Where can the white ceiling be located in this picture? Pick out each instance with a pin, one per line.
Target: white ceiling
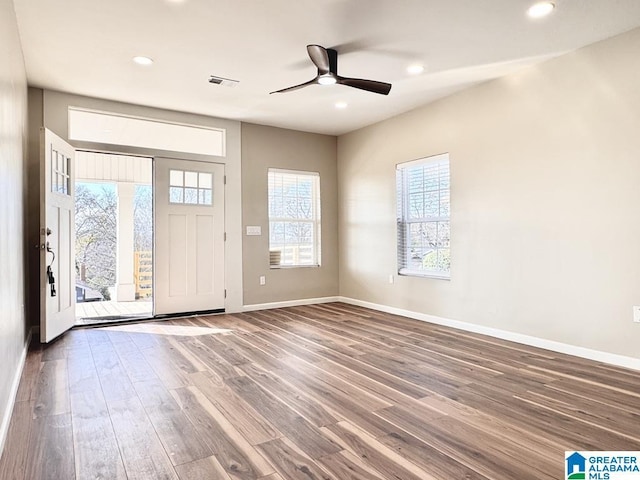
(86, 46)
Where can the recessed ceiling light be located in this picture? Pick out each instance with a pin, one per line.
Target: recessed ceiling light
(540, 9)
(415, 69)
(143, 60)
(341, 105)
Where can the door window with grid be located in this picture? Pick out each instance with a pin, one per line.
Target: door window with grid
(60, 176)
(294, 217)
(424, 232)
(190, 188)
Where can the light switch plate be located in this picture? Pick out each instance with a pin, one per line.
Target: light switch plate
(254, 230)
(636, 313)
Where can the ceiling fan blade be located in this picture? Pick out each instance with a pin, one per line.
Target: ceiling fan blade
(297, 87)
(369, 85)
(320, 58)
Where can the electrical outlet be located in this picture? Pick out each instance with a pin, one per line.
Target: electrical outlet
(636, 313)
(263, 280)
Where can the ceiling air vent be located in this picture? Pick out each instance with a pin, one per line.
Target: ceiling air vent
(225, 82)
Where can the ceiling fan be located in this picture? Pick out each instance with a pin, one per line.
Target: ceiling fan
(326, 59)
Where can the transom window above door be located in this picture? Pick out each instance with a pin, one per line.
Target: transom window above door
(148, 133)
(190, 188)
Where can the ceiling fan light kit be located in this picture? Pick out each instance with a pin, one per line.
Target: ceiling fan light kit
(327, 79)
(326, 60)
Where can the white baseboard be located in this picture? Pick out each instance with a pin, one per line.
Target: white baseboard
(8, 411)
(289, 303)
(597, 355)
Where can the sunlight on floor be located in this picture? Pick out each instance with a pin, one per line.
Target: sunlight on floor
(173, 330)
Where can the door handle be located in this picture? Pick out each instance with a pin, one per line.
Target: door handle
(50, 277)
(50, 250)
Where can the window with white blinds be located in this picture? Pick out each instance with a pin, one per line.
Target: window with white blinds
(424, 232)
(294, 217)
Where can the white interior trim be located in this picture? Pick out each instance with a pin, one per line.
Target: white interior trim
(290, 303)
(597, 355)
(8, 410)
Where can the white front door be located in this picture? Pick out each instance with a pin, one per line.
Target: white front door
(189, 236)
(57, 229)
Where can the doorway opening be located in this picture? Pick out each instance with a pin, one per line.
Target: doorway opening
(114, 237)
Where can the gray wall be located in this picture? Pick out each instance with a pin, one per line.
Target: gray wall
(269, 147)
(545, 168)
(13, 116)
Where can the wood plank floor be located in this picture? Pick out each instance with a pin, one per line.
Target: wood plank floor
(318, 392)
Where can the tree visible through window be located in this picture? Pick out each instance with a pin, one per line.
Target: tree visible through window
(294, 216)
(96, 231)
(424, 232)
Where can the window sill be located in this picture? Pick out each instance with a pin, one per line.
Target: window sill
(287, 267)
(416, 273)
